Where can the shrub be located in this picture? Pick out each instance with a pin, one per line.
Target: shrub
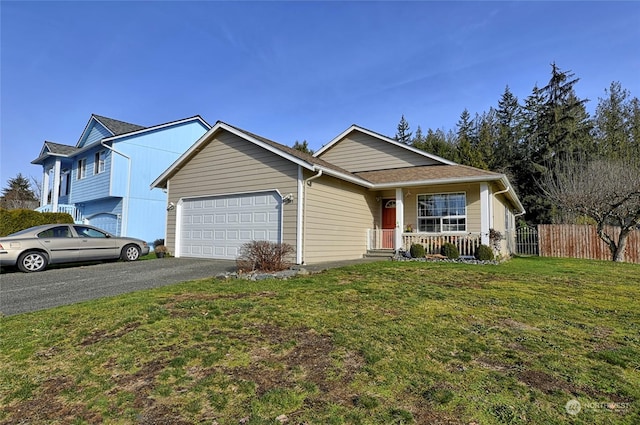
(264, 256)
(417, 250)
(484, 253)
(449, 250)
(158, 241)
(12, 221)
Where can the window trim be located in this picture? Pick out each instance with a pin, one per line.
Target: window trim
(443, 217)
(99, 162)
(82, 169)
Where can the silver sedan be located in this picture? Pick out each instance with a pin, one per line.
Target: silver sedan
(31, 250)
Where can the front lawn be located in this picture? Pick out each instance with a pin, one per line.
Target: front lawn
(424, 343)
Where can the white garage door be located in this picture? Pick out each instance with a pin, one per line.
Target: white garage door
(216, 227)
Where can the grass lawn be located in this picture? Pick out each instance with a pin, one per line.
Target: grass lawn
(377, 343)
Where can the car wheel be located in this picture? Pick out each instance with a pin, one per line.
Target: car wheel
(130, 253)
(33, 261)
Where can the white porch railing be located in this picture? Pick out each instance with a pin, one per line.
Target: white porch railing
(63, 208)
(466, 244)
(380, 238)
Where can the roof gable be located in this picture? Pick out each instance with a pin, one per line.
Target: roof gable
(100, 127)
(50, 149)
(360, 149)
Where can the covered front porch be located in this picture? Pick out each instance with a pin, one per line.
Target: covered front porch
(431, 216)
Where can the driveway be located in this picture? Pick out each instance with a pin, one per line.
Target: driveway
(25, 292)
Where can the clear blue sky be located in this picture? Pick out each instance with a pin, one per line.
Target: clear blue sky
(292, 70)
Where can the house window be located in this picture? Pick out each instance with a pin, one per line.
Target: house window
(442, 212)
(82, 168)
(98, 163)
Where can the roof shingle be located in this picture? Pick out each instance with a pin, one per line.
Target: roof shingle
(118, 127)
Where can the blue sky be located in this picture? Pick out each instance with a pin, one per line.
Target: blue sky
(292, 70)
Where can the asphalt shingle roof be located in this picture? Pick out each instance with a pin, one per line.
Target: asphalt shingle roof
(60, 149)
(118, 127)
(424, 173)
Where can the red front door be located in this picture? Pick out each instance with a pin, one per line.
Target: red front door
(388, 222)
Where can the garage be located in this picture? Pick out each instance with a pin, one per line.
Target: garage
(105, 221)
(217, 226)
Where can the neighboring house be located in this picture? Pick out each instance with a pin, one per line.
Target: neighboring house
(362, 191)
(104, 179)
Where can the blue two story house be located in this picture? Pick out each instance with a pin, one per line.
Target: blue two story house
(104, 179)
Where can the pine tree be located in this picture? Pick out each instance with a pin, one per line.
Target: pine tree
(403, 135)
(614, 124)
(303, 147)
(509, 125)
(18, 194)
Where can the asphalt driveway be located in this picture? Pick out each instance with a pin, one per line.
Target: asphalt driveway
(26, 292)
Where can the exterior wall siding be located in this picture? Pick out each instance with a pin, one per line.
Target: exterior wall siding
(96, 133)
(361, 152)
(337, 215)
(92, 186)
(102, 206)
(229, 164)
(411, 203)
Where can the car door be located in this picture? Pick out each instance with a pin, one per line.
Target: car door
(94, 244)
(60, 244)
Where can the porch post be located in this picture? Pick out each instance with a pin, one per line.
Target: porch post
(44, 195)
(399, 218)
(56, 186)
(484, 213)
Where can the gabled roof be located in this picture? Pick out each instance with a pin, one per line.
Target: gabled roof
(301, 158)
(54, 149)
(379, 136)
(427, 173)
(117, 127)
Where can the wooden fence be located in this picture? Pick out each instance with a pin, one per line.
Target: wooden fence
(582, 241)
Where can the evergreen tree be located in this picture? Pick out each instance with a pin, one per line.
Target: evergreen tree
(509, 131)
(614, 124)
(403, 135)
(465, 143)
(18, 194)
(303, 147)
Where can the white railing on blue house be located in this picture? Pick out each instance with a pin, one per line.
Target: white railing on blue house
(63, 208)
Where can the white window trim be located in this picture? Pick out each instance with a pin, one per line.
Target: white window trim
(82, 169)
(100, 160)
(466, 221)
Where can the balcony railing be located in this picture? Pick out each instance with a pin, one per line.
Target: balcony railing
(63, 208)
(466, 243)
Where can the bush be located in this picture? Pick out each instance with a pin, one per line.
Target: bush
(12, 221)
(157, 242)
(417, 251)
(264, 256)
(484, 253)
(449, 250)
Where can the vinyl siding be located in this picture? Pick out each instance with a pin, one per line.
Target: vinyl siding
(97, 132)
(337, 215)
(411, 203)
(361, 152)
(229, 164)
(92, 186)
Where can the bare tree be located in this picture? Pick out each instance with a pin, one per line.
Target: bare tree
(608, 191)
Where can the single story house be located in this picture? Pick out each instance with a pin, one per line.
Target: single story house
(362, 191)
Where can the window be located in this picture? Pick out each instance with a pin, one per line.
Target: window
(82, 168)
(98, 163)
(55, 232)
(443, 212)
(88, 232)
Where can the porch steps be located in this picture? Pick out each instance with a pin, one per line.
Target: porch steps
(379, 253)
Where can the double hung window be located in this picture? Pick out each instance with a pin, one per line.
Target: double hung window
(99, 161)
(82, 169)
(442, 212)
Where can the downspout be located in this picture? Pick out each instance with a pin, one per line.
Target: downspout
(500, 192)
(299, 220)
(304, 207)
(125, 204)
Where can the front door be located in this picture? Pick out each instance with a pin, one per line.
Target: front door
(388, 222)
